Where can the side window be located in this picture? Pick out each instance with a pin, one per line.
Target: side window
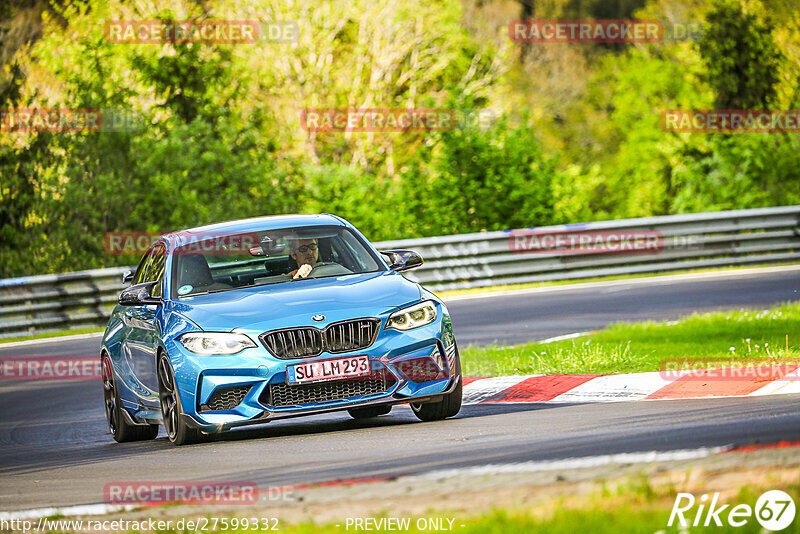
(155, 269)
(365, 262)
(138, 278)
(328, 249)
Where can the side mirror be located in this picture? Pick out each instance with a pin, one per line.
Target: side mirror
(402, 260)
(140, 295)
(127, 277)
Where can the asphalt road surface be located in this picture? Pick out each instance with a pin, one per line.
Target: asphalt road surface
(55, 449)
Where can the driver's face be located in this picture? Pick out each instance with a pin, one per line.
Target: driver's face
(305, 251)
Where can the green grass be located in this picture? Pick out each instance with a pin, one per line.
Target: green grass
(639, 347)
(514, 287)
(625, 510)
(513, 522)
(648, 517)
(60, 333)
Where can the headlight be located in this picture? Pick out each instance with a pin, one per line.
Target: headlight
(413, 316)
(216, 342)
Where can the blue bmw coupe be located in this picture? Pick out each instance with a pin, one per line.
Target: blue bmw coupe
(244, 322)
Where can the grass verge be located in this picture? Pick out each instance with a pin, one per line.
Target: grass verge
(640, 347)
(43, 335)
(636, 506)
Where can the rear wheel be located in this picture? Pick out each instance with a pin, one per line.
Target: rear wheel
(448, 406)
(369, 411)
(171, 408)
(120, 430)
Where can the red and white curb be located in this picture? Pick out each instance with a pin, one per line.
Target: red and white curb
(626, 387)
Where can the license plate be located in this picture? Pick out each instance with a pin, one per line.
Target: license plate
(335, 369)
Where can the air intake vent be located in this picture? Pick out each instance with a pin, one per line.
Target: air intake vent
(282, 394)
(225, 398)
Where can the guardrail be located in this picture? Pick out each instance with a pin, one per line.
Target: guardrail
(84, 299)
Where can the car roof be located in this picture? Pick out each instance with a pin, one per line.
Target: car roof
(271, 222)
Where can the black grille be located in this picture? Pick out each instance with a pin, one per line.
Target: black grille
(225, 398)
(351, 335)
(306, 342)
(293, 342)
(282, 394)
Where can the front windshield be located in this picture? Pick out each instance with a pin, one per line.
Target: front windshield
(221, 262)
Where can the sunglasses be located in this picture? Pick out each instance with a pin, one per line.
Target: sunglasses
(306, 248)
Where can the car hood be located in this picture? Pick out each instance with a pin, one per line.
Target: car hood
(258, 309)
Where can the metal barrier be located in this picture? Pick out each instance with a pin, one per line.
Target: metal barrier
(84, 299)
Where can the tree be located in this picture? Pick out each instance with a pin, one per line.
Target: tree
(742, 58)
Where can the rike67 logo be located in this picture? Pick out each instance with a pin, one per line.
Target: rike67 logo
(774, 511)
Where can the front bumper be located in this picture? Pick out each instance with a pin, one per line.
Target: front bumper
(418, 366)
(266, 416)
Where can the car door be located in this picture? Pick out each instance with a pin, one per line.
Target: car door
(143, 332)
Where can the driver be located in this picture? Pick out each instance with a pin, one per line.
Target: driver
(306, 253)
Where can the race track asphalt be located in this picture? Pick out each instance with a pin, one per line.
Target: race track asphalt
(55, 449)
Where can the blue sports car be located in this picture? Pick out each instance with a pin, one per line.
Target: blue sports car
(244, 322)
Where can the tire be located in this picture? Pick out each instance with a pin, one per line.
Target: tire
(171, 407)
(120, 430)
(369, 411)
(448, 406)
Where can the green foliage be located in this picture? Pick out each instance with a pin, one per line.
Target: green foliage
(740, 171)
(495, 180)
(343, 191)
(475, 180)
(21, 168)
(483, 180)
(653, 172)
(186, 161)
(217, 134)
(637, 175)
(742, 58)
(745, 170)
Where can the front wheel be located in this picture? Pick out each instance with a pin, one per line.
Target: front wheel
(448, 406)
(120, 430)
(171, 408)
